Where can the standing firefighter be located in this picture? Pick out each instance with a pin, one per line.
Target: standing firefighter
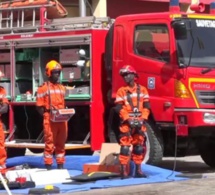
(133, 108)
(50, 96)
(3, 109)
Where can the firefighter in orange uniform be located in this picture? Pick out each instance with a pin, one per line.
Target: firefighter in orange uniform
(51, 96)
(3, 109)
(132, 105)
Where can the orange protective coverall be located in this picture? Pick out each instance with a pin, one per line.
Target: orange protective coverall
(55, 133)
(3, 154)
(136, 139)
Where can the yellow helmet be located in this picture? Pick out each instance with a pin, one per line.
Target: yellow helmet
(52, 65)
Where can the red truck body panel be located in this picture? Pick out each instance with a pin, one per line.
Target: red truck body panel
(164, 74)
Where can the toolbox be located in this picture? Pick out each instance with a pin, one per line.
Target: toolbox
(71, 73)
(78, 90)
(68, 56)
(4, 57)
(61, 115)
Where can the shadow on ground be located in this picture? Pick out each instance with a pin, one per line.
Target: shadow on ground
(181, 165)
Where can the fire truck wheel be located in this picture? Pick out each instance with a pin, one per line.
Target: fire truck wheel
(154, 147)
(14, 152)
(206, 150)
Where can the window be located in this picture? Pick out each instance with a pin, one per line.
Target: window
(152, 41)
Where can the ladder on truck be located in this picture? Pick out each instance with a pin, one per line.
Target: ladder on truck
(13, 20)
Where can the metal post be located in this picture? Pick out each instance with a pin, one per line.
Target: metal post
(1, 19)
(34, 17)
(43, 19)
(11, 19)
(82, 8)
(22, 18)
(5, 185)
(18, 18)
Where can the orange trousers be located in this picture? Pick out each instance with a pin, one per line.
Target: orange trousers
(3, 154)
(55, 134)
(135, 139)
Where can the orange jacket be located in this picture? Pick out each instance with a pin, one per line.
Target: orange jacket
(3, 98)
(121, 98)
(57, 94)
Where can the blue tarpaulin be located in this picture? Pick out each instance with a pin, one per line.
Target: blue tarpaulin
(74, 164)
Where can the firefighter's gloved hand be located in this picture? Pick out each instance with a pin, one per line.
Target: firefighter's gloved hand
(139, 122)
(142, 121)
(131, 123)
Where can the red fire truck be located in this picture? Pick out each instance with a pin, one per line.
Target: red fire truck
(172, 52)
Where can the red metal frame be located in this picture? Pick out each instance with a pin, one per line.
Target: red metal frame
(43, 19)
(146, 67)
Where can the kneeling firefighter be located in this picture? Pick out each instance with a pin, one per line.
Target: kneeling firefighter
(132, 105)
(50, 96)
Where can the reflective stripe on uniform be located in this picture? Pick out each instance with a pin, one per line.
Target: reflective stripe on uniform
(119, 99)
(124, 98)
(48, 155)
(59, 155)
(57, 91)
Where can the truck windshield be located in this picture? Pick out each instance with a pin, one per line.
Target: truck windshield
(198, 49)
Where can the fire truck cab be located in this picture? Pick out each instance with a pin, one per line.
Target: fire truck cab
(173, 55)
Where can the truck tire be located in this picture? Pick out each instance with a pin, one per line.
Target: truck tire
(14, 152)
(154, 147)
(206, 150)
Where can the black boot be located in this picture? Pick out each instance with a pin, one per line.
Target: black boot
(48, 167)
(60, 166)
(138, 172)
(123, 172)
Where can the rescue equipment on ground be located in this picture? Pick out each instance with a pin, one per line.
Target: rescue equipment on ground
(19, 183)
(49, 189)
(94, 176)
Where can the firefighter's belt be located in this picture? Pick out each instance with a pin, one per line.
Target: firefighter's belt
(134, 114)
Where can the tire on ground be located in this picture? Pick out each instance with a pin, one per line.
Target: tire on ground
(206, 149)
(154, 147)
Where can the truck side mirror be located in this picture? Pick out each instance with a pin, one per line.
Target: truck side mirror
(180, 29)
